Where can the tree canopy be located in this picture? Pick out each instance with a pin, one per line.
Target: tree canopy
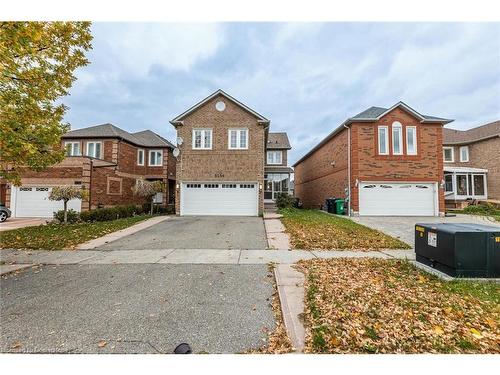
(37, 65)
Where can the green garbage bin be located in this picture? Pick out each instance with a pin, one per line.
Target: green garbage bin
(339, 206)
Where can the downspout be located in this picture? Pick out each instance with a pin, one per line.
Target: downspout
(348, 169)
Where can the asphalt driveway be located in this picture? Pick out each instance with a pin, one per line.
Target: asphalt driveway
(197, 232)
(146, 308)
(404, 227)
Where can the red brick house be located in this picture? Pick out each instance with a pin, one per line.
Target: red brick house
(223, 162)
(384, 161)
(471, 164)
(103, 159)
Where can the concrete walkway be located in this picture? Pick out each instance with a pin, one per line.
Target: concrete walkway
(186, 256)
(277, 238)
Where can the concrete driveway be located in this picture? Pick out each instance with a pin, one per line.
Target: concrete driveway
(404, 227)
(136, 308)
(21, 222)
(197, 232)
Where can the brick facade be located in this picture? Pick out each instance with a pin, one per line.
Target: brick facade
(482, 154)
(317, 179)
(220, 163)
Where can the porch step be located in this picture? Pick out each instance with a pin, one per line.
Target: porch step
(270, 207)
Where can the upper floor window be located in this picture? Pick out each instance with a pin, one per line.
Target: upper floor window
(448, 154)
(202, 139)
(94, 149)
(383, 140)
(464, 154)
(274, 157)
(411, 140)
(140, 156)
(155, 158)
(238, 139)
(397, 138)
(72, 148)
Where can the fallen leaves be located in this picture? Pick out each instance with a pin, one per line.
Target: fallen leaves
(388, 306)
(312, 229)
(102, 343)
(16, 345)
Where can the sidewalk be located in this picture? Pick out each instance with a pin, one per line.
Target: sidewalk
(186, 256)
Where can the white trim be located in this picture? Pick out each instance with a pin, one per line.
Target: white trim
(178, 119)
(414, 140)
(100, 149)
(161, 158)
(462, 160)
(202, 144)
(277, 152)
(143, 155)
(397, 125)
(73, 143)
(238, 138)
(465, 170)
(386, 139)
(452, 154)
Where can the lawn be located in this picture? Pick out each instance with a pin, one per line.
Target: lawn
(62, 236)
(389, 306)
(313, 229)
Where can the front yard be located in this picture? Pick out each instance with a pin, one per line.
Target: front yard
(312, 229)
(61, 236)
(389, 306)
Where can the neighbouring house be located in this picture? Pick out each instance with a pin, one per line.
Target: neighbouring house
(227, 159)
(471, 164)
(384, 161)
(103, 159)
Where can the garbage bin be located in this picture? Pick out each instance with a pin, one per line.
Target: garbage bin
(330, 205)
(339, 206)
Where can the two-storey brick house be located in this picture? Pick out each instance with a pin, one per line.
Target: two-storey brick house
(471, 164)
(383, 161)
(105, 160)
(221, 165)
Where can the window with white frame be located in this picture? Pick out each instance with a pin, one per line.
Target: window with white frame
(464, 154)
(202, 139)
(140, 156)
(274, 157)
(72, 148)
(383, 140)
(155, 158)
(448, 183)
(238, 139)
(94, 149)
(411, 140)
(448, 155)
(397, 138)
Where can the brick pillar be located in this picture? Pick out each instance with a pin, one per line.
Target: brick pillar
(86, 172)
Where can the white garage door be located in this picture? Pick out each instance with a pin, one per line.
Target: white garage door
(219, 198)
(33, 201)
(397, 199)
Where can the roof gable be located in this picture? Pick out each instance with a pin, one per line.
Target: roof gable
(376, 113)
(178, 120)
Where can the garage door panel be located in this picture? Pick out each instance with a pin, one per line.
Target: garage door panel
(397, 199)
(223, 199)
(33, 201)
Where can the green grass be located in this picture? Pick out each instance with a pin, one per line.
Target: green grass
(484, 291)
(313, 229)
(62, 236)
(481, 210)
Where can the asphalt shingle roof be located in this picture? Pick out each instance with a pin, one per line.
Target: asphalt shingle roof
(145, 138)
(278, 140)
(490, 130)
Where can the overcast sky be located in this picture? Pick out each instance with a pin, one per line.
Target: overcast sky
(306, 78)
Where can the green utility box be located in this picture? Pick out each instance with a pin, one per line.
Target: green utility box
(339, 206)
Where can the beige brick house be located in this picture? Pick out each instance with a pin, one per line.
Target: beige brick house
(221, 165)
(471, 164)
(383, 161)
(105, 160)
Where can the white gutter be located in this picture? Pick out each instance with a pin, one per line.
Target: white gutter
(348, 168)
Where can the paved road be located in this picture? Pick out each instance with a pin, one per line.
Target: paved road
(404, 227)
(136, 308)
(197, 232)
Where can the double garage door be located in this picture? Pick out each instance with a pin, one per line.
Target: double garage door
(33, 201)
(397, 199)
(220, 198)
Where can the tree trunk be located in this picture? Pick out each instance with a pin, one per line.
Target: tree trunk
(152, 205)
(65, 211)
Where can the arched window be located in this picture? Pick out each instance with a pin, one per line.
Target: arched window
(397, 138)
